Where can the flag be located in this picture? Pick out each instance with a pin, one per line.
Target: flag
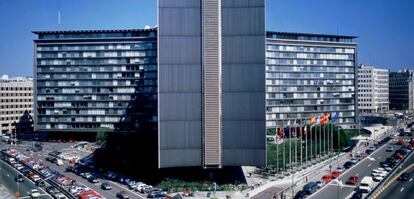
(327, 117)
(321, 119)
(335, 117)
(313, 120)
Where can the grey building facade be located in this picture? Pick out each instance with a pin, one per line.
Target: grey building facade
(310, 74)
(211, 101)
(401, 90)
(86, 81)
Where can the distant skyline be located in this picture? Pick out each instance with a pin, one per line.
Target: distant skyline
(384, 28)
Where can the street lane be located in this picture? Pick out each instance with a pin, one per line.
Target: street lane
(362, 168)
(401, 189)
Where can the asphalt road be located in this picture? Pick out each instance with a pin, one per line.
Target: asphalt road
(401, 189)
(361, 169)
(7, 177)
(49, 147)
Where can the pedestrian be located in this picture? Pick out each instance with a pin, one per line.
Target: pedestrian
(306, 179)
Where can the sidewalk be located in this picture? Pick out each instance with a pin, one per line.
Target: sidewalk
(315, 172)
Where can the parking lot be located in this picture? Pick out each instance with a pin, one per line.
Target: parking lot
(73, 165)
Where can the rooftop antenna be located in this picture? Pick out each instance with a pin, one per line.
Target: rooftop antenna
(59, 12)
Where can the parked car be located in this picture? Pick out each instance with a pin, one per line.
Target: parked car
(106, 186)
(390, 149)
(348, 164)
(34, 193)
(320, 184)
(340, 169)
(400, 142)
(122, 195)
(51, 190)
(300, 195)
(357, 194)
(352, 180)
(326, 178)
(335, 174)
(93, 179)
(310, 187)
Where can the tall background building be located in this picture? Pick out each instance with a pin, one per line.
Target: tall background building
(211, 83)
(16, 97)
(401, 90)
(310, 74)
(373, 89)
(88, 81)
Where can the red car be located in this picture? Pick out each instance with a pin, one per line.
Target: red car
(326, 178)
(400, 142)
(352, 180)
(335, 174)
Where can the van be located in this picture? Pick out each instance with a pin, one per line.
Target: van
(310, 188)
(366, 184)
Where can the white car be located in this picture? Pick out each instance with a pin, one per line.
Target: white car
(59, 162)
(340, 169)
(34, 193)
(378, 178)
(388, 169)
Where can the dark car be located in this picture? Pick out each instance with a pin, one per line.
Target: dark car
(106, 186)
(70, 169)
(51, 159)
(409, 134)
(300, 195)
(156, 195)
(310, 188)
(348, 165)
(357, 195)
(404, 177)
(402, 133)
(122, 195)
(51, 190)
(19, 178)
(93, 179)
(40, 183)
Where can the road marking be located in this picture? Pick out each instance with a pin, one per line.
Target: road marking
(369, 165)
(402, 189)
(357, 174)
(410, 179)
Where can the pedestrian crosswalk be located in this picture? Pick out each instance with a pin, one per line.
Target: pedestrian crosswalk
(4, 194)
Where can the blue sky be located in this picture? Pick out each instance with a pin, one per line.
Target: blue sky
(385, 28)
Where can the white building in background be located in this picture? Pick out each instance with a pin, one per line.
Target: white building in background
(16, 96)
(373, 89)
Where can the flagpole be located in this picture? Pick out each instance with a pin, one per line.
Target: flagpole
(284, 150)
(301, 146)
(306, 145)
(312, 145)
(277, 137)
(290, 147)
(296, 146)
(320, 141)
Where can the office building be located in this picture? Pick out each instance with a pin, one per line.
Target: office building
(373, 92)
(401, 90)
(211, 101)
(87, 81)
(16, 97)
(209, 104)
(310, 74)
